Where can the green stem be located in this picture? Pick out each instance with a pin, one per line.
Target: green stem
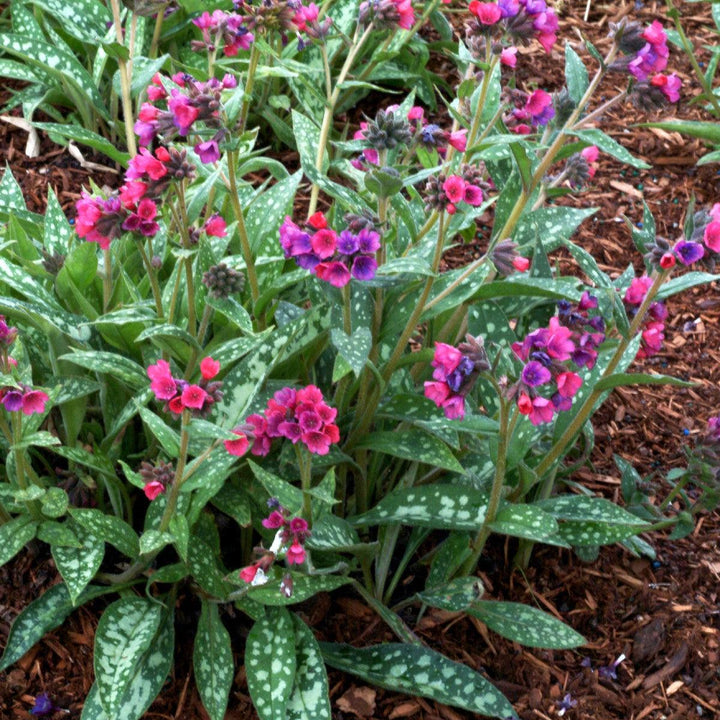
(242, 231)
(504, 434)
(492, 63)
(305, 465)
(330, 109)
(249, 85)
(5, 516)
(107, 279)
(190, 281)
(157, 30)
(33, 506)
(152, 277)
(347, 310)
(124, 82)
(177, 483)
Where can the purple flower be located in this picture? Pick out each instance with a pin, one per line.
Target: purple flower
(609, 671)
(364, 267)
(347, 243)
(567, 703)
(43, 705)
(535, 374)
(688, 252)
(368, 241)
(12, 400)
(208, 151)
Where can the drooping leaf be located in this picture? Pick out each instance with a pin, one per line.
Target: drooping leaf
(213, 661)
(309, 699)
(417, 670)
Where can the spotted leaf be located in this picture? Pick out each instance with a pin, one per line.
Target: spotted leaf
(270, 663)
(78, 565)
(213, 662)
(309, 699)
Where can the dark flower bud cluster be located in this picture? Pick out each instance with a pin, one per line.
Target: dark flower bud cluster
(223, 281)
(364, 221)
(388, 130)
(52, 263)
(564, 105)
(157, 478)
(506, 259)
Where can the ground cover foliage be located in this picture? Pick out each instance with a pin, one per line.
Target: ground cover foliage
(194, 338)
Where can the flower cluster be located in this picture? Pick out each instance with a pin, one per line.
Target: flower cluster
(298, 415)
(23, 397)
(387, 13)
(580, 168)
(393, 130)
(290, 539)
(180, 395)
(645, 57)
(333, 257)
(157, 478)
(571, 337)
(702, 246)
(531, 111)
(455, 372)
(222, 29)
(444, 192)
(506, 259)
(654, 323)
(520, 20)
(187, 105)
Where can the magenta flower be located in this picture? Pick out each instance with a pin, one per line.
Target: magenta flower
(239, 446)
(336, 273)
(454, 188)
(711, 236)
(488, 13)
(162, 382)
(34, 401)
(295, 554)
(215, 226)
(208, 151)
(193, 396)
(669, 84)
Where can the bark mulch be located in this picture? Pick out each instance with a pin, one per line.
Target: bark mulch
(663, 615)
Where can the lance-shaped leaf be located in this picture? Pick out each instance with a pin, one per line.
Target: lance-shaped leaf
(288, 495)
(213, 661)
(40, 617)
(458, 594)
(526, 521)
(148, 677)
(417, 670)
(113, 364)
(78, 565)
(270, 663)
(309, 699)
(14, 535)
(525, 625)
(353, 348)
(303, 587)
(109, 528)
(447, 507)
(124, 634)
(166, 436)
(413, 445)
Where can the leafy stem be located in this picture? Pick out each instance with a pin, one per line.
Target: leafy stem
(125, 69)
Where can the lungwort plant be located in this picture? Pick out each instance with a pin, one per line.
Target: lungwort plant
(258, 390)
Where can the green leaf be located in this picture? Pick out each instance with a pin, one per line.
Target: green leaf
(304, 587)
(446, 507)
(165, 435)
(233, 502)
(40, 617)
(457, 595)
(84, 19)
(56, 230)
(354, 348)
(14, 535)
(413, 445)
(288, 495)
(576, 74)
(417, 670)
(310, 695)
(152, 541)
(79, 565)
(526, 625)
(334, 533)
(213, 661)
(705, 130)
(611, 147)
(180, 531)
(204, 568)
(124, 634)
(57, 534)
(622, 379)
(109, 528)
(525, 521)
(85, 137)
(113, 364)
(148, 677)
(270, 663)
(685, 282)
(60, 63)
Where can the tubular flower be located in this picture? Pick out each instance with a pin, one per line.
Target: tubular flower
(180, 395)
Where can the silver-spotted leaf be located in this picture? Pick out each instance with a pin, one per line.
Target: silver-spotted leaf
(417, 670)
(78, 565)
(213, 662)
(457, 595)
(270, 663)
(124, 634)
(309, 699)
(14, 535)
(526, 625)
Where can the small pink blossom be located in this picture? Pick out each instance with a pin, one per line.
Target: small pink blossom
(454, 188)
(193, 396)
(209, 368)
(153, 489)
(295, 554)
(239, 446)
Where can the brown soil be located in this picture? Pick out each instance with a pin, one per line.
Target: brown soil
(663, 615)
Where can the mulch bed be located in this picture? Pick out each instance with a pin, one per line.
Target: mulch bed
(664, 616)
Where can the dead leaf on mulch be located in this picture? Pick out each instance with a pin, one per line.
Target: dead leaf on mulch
(360, 701)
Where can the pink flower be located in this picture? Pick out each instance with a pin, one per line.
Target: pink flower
(163, 383)
(184, 113)
(488, 13)
(454, 188)
(34, 402)
(711, 236)
(295, 554)
(336, 273)
(542, 411)
(317, 220)
(473, 195)
(248, 573)
(274, 521)
(193, 396)
(525, 405)
(239, 446)
(635, 294)
(216, 226)
(209, 368)
(667, 261)
(298, 525)
(669, 84)
(458, 139)
(521, 264)
(324, 243)
(208, 151)
(446, 357)
(454, 407)
(509, 56)
(590, 153)
(153, 489)
(568, 383)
